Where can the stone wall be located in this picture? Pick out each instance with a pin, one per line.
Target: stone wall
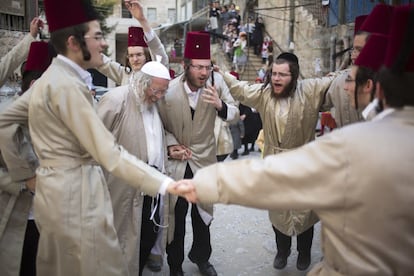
(312, 42)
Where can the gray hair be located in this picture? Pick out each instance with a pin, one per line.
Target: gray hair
(139, 82)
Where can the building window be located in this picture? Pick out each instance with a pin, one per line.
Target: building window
(171, 15)
(152, 14)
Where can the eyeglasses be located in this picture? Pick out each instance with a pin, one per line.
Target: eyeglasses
(158, 92)
(201, 67)
(280, 74)
(98, 37)
(356, 49)
(136, 55)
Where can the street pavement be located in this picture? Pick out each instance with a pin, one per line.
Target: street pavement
(243, 243)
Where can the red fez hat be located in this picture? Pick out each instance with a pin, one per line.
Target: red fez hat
(136, 37)
(61, 14)
(373, 54)
(379, 20)
(197, 45)
(359, 20)
(234, 73)
(172, 73)
(39, 57)
(399, 51)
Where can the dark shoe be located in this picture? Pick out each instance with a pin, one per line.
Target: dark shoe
(234, 155)
(304, 260)
(207, 269)
(280, 261)
(246, 152)
(154, 263)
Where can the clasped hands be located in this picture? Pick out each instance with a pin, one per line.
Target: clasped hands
(184, 188)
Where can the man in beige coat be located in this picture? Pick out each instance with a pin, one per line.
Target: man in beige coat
(289, 111)
(72, 205)
(188, 112)
(143, 45)
(358, 179)
(131, 115)
(18, 54)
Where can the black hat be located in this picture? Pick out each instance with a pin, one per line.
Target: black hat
(289, 57)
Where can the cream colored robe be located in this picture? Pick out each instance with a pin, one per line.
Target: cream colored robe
(119, 110)
(14, 58)
(197, 134)
(338, 98)
(299, 130)
(120, 74)
(72, 205)
(359, 181)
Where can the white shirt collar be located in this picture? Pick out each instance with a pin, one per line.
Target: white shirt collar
(192, 96)
(85, 75)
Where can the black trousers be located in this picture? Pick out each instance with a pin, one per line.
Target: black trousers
(149, 232)
(284, 242)
(31, 240)
(201, 247)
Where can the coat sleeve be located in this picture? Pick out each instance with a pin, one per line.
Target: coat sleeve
(233, 113)
(16, 149)
(79, 116)
(14, 58)
(293, 179)
(242, 91)
(157, 48)
(112, 69)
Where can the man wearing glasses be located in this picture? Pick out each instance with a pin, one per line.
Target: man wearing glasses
(129, 112)
(188, 112)
(289, 110)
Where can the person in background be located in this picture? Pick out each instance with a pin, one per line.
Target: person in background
(18, 236)
(240, 53)
(188, 111)
(214, 16)
(362, 78)
(378, 21)
(365, 200)
(18, 54)
(130, 111)
(77, 235)
(257, 36)
(289, 111)
(143, 46)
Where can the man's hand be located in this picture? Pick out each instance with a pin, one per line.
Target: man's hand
(136, 9)
(184, 188)
(35, 25)
(31, 184)
(211, 96)
(179, 152)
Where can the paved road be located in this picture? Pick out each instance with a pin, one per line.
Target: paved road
(243, 243)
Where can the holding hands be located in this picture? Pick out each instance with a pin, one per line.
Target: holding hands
(184, 188)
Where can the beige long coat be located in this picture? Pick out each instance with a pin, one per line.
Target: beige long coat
(337, 98)
(359, 180)
(14, 58)
(72, 205)
(120, 74)
(299, 130)
(15, 203)
(197, 134)
(119, 110)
